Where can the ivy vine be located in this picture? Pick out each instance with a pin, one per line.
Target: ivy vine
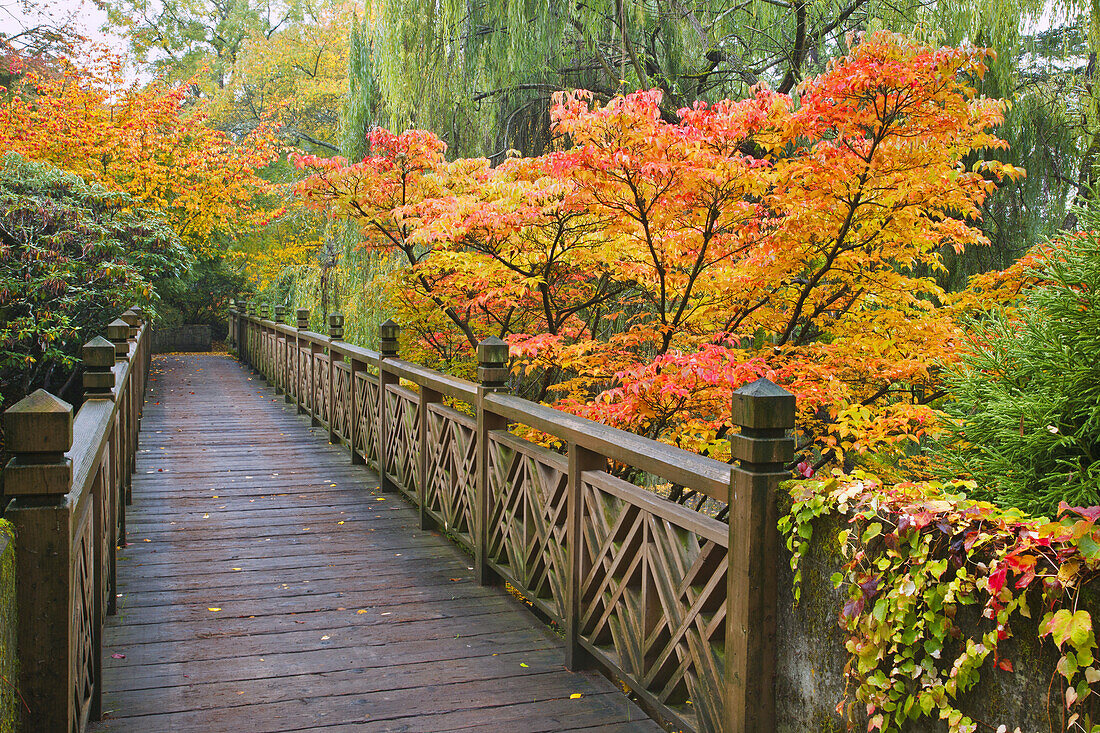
(914, 556)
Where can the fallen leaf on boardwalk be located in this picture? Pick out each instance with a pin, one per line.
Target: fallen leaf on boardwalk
(234, 568)
(340, 522)
(206, 516)
(146, 540)
(116, 655)
(213, 608)
(325, 637)
(299, 622)
(455, 580)
(305, 529)
(361, 610)
(522, 664)
(576, 696)
(381, 498)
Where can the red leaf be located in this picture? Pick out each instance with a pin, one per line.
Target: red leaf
(1005, 664)
(997, 580)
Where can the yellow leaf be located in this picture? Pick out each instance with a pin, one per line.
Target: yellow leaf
(213, 609)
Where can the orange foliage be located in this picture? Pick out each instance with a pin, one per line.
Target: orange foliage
(650, 268)
(149, 142)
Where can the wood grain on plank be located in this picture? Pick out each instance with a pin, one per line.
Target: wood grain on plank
(269, 585)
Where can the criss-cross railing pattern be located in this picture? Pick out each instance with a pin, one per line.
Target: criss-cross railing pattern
(450, 488)
(676, 604)
(529, 491)
(67, 485)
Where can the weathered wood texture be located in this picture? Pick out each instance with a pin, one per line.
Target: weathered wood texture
(269, 585)
(65, 489)
(676, 604)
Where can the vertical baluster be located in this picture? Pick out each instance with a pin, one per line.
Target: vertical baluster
(580, 460)
(428, 397)
(765, 412)
(355, 424)
(492, 373)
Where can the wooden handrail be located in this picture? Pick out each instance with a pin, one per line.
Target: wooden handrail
(678, 605)
(68, 485)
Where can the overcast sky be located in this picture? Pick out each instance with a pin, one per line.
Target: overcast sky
(86, 18)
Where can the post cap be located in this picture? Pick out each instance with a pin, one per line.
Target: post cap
(389, 329)
(39, 423)
(492, 352)
(763, 404)
(130, 318)
(280, 313)
(118, 330)
(336, 324)
(98, 354)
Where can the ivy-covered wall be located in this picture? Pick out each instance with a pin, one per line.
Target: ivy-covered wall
(9, 669)
(812, 694)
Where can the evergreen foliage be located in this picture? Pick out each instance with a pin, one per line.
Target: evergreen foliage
(73, 255)
(1025, 422)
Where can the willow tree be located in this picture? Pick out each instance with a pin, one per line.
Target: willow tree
(479, 73)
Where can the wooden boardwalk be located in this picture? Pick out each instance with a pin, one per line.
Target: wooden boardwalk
(270, 586)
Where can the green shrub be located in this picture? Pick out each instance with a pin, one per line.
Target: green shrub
(73, 255)
(1025, 422)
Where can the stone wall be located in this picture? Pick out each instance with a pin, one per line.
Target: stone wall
(811, 656)
(188, 337)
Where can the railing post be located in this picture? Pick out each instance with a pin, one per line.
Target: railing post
(278, 367)
(246, 357)
(492, 373)
(133, 397)
(302, 376)
(231, 337)
(765, 413)
(388, 333)
(39, 430)
(261, 342)
(118, 333)
(580, 460)
(335, 333)
(99, 359)
(99, 381)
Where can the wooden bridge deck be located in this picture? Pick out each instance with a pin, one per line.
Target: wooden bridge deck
(270, 586)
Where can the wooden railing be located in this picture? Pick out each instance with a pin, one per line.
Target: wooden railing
(676, 604)
(66, 489)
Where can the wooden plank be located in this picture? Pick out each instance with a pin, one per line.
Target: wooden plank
(335, 609)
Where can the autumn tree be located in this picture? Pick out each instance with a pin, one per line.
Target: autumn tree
(653, 266)
(143, 141)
